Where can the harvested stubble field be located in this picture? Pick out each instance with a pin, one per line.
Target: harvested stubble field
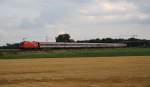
(76, 72)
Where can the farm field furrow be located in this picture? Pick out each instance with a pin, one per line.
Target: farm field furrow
(76, 72)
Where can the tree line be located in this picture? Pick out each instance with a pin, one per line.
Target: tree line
(10, 46)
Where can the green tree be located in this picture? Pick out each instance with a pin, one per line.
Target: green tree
(64, 38)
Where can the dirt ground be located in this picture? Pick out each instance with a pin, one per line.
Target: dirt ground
(76, 72)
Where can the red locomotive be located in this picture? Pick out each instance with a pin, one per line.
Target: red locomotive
(29, 45)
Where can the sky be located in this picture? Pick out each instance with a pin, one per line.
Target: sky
(82, 19)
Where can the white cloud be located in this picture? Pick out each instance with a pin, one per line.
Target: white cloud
(100, 6)
(106, 11)
(119, 7)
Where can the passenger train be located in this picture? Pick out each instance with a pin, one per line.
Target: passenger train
(38, 45)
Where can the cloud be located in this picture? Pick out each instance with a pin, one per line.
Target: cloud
(100, 6)
(83, 19)
(106, 11)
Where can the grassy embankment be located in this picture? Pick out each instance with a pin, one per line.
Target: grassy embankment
(78, 53)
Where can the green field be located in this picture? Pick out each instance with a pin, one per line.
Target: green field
(63, 53)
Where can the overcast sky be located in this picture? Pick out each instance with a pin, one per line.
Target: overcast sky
(82, 19)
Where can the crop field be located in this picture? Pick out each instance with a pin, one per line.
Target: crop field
(76, 72)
